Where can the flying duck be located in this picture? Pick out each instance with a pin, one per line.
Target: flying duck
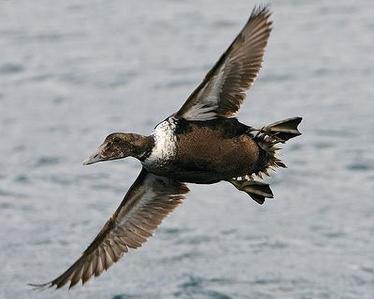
(202, 143)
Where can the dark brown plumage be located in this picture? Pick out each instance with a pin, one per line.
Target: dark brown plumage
(211, 151)
(202, 143)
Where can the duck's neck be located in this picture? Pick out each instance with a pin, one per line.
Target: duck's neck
(143, 146)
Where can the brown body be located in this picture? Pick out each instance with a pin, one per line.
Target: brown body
(211, 151)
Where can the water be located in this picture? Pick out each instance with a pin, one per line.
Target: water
(73, 71)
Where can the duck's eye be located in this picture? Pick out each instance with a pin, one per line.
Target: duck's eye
(117, 140)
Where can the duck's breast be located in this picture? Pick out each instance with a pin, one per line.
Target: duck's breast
(165, 147)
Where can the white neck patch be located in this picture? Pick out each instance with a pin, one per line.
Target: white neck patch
(165, 143)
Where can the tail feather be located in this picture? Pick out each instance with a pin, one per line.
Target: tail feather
(284, 129)
(268, 138)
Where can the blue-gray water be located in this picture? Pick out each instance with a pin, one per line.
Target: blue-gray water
(73, 71)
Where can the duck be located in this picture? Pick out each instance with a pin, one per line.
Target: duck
(202, 143)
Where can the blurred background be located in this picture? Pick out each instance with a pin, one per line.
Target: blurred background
(73, 71)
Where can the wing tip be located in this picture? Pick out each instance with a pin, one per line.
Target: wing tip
(48, 285)
(263, 10)
(40, 286)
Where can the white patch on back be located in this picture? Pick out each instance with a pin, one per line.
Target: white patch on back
(165, 144)
(207, 99)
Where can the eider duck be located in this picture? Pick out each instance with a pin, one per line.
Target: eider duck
(202, 143)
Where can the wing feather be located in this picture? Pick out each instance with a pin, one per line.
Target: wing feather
(224, 88)
(150, 199)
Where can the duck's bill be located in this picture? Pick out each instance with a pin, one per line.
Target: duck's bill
(94, 158)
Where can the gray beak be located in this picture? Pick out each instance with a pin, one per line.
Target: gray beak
(96, 157)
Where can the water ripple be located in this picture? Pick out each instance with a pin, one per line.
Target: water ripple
(361, 166)
(194, 287)
(48, 161)
(11, 68)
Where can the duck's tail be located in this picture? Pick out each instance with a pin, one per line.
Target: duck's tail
(268, 139)
(283, 130)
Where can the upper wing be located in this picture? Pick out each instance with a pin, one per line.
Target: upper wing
(147, 202)
(224, 87)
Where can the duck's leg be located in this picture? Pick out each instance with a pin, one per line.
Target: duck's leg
(258, 191)
(283, 130)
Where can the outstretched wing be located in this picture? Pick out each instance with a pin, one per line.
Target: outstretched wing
(224, 87)
(145, 205)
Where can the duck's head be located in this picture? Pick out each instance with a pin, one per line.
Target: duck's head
(121, 145)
